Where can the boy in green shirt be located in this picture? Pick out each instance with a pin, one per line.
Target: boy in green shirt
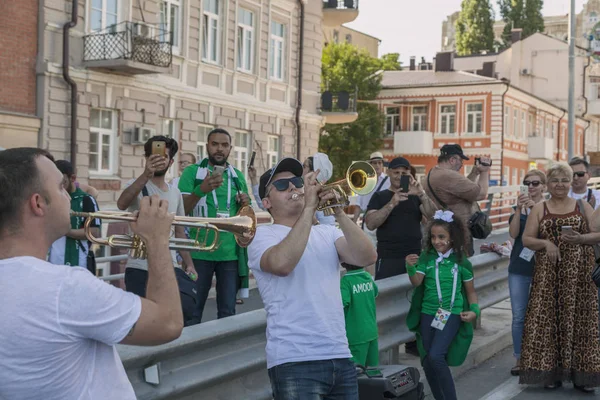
(358, 297)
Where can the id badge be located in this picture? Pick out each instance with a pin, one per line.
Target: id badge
(526, 254)
(440, 319)
(222, 215)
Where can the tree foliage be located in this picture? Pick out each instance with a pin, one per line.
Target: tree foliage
(521, 14)
(475, 27)
(347, 68)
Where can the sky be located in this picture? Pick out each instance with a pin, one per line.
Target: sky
(414, 28)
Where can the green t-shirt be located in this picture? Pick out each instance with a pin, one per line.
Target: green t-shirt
(430, 296)
(358, 296)
(227, 250)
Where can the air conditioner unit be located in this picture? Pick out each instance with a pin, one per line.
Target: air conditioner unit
(141, 135)
(144, 30)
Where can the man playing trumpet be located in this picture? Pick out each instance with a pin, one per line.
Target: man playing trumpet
(297, 269)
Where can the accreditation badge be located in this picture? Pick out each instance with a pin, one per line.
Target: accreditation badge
(440, 319)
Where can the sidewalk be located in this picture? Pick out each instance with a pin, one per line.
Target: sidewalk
(493, 337)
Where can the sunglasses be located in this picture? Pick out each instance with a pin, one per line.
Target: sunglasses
(283, 184)
(579, 174)
(530, 183)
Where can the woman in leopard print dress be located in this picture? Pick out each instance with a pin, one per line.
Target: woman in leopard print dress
(560, 337)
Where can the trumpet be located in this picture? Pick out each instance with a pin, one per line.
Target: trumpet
(361, 178)
(243, 227)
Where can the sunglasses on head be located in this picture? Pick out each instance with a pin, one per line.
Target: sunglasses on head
(283, 184)
(579, 174)
(530, 183)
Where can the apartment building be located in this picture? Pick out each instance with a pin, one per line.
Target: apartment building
(180, 68)
(344, 34)
(425, 109)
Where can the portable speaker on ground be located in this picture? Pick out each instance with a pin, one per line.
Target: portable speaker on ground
(390, 382)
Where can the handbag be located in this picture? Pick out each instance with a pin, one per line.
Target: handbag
(479, 223)
(596, 271)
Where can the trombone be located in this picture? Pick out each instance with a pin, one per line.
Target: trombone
(361, 178)
(243, 227)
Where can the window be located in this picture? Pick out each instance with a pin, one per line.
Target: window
(468, 169)
(273, 151)
(506, 115)
(277, 50)
(506, 176)
(548, 126)
(170, 22)
(392, 120)
(103, 136)
(240, 150)
(211, 31)
(474, 117)
(531, 131)
(516, 123)
(448, 119)
(515, 176)
(245, 57)
(349, 38)
(522, 177)
(523, 125)
(419, 118)
(336, 36)
(563, 138)
(167, 128)
(103, 14)
(203, 131)
(554, 130)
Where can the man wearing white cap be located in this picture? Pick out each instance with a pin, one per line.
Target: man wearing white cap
(383, 183)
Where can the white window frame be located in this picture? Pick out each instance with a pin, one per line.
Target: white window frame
(524, 132)
(273, 150)
(245, 34)
(240, 153)
(201, 141)
(104, 11)
(530, 123)
(101, 133)
(506, 176)
(472, 125)
(168, 128)
(277, 52)
(419, 119)
(516, 132)
(173, 37)
(392, 118)
(210, 20)
(445, 117)
(515, 177)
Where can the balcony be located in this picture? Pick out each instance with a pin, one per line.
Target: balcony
(338, 108)
(540, 148)
(128, 47)
(413, 143)
(338, 12)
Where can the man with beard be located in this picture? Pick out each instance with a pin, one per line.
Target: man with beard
(152, 182)
(217, 193)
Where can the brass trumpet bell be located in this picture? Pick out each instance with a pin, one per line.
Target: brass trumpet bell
(361, 179)
(243, 227)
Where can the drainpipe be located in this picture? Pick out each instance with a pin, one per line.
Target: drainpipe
(66, 28)
(299, 94)
(585, 102)
(558, 136)
(507, 82)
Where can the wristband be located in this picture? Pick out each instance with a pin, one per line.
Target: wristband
(411, 269)
(198, 192)
(475, 308)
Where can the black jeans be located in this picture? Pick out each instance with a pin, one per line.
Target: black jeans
(227, 286)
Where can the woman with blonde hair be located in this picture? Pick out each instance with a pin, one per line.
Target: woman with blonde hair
(520, 268)
(560, 337)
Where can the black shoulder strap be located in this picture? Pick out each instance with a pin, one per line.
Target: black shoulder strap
(145, 191)
(381, 184)
(589, 195)
(441, 203)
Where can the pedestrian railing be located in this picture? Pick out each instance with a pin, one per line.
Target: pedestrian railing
(225, 359)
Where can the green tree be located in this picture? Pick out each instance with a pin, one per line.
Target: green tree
(475, 27)
(521, 14)
(347, 68)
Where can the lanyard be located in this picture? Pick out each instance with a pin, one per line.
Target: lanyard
(228, 194)
(437, 280)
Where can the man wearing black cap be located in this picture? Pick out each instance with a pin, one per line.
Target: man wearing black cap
(458, 193)
(397, 217)
(297, 269)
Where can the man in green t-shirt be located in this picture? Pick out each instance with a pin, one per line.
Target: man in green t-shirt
(358, 297)
(217, 193)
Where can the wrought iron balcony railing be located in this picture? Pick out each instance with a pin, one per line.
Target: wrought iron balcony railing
(340, 4)
(132, 41)
(338, 102)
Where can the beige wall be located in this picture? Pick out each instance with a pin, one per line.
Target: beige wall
(18, 130)
(359, 39)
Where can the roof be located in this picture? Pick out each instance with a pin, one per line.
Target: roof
(362, 33)
(397, 79)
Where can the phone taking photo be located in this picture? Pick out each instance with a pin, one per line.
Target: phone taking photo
(404, 183)
(524, 190)
(159, 148)
(252, 160)
(218, 170)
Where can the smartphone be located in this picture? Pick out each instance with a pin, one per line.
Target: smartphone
(524, 190)
(218, 170)
(159, 148)
(404, 183)
(374, 373)
(252, 159)
(566, 229)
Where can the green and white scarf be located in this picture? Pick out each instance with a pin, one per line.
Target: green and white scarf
(72, 245)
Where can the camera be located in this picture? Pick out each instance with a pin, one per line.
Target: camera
(478, 162)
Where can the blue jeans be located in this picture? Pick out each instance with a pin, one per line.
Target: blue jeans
(436, 344)
(315, 380)
(518, 286)
(227, 286)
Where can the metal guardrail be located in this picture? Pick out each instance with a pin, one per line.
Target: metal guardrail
(340, 4)
(226, 359)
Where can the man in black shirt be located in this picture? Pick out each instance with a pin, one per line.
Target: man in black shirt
(397, 218)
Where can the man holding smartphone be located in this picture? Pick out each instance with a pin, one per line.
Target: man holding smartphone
(213, 188)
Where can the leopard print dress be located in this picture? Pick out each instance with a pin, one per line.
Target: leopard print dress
(560, 337)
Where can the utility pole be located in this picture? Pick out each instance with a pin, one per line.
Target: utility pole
(571, 80)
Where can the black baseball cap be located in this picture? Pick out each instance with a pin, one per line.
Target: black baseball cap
(453, 150)
(399, 162)
(286, 165)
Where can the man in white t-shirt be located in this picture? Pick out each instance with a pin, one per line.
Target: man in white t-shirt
(579, 187)
(297, 269)
(60, 323)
